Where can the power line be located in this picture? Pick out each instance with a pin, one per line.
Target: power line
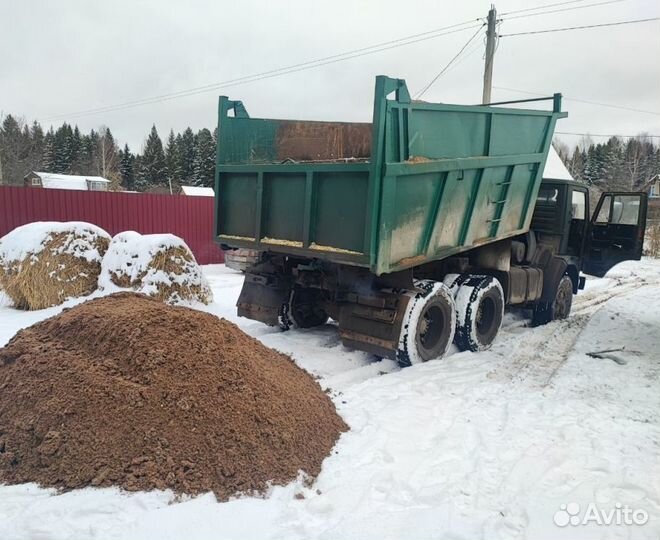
(580, 27)
(446, 67)
(606, 135)
(372, 49)
(581, 101)
(468, 54)
(564, 9)
(544, 6)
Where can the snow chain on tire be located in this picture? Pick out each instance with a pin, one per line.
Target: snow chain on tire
(288, 316)
(284, 320)
(479, 311)
(434, 295)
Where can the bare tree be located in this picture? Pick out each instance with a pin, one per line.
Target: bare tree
(108, 159)
(634, 159)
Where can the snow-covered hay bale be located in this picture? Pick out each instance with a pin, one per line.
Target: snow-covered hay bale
(44, 263)
(159, 265)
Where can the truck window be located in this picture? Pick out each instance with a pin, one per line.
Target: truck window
(547, 195)
(604, 212)
(625, 210)
(578, 205)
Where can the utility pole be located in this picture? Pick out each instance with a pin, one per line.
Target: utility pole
(490, 53)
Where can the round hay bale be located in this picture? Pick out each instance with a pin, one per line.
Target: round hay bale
(44, 263)
(159, 265)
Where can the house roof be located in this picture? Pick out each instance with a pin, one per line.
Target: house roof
(67, 181)
(652, 180)
(555, 168)
(197, 191)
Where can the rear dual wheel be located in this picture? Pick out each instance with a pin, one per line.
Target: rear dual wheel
(428, 324)
(303, 310)
(479, 310)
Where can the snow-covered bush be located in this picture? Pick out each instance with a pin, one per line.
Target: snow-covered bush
(159, 265)
(44, 263)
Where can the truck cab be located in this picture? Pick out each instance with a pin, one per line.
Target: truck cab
(589, 242)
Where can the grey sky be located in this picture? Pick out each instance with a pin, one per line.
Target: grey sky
(66, 56)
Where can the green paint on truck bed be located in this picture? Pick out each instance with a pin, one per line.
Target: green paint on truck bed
(422, 182)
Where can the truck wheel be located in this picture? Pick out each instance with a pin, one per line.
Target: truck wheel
(428, 324)
(560, 308)
(454, 281)
(303, 310)
(479, 312)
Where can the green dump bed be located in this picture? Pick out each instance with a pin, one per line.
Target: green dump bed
(420, 183)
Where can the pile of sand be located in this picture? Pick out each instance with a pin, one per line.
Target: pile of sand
(44, 263)
(159, 265)
(127, 391)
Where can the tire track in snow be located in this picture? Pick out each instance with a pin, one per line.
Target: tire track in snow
(540, 352)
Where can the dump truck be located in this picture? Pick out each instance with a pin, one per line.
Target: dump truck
(414, 231)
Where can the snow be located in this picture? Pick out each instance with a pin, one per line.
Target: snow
(68, 181)
(197, 191)
(477, 445)
(130, 254)
(29, 240)
(555, 168)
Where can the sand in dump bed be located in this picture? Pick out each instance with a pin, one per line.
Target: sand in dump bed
(127, 391)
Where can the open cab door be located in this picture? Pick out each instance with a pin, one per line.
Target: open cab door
(616, 232)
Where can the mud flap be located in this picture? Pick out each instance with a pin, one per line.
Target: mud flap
(373, 328)
(552, 274)
(260, 300)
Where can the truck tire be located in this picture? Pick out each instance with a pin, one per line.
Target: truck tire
(454, 281)
(303, 310)
(428, 326)
(479, 312)
(559, 308)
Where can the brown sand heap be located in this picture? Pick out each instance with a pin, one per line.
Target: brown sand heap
(127, 391)
(44, 263)
(159, 265)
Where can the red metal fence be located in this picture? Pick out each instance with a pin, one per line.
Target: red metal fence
(190, 218)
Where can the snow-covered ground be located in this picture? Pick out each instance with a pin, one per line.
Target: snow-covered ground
(477, 445)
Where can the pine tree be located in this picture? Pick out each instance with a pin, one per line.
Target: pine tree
(11, 143)
(85, 163)
(36, 142)
(611, 155)
(153, 170)
(48, 157)
(92, 152)
(186, 144)
(576, 164)
(64, 149)
(204, 161)
(139, 183)
(173, 160)
(107, 164)
(126, 161)
(74, 160)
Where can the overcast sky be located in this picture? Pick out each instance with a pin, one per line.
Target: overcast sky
(58, 58)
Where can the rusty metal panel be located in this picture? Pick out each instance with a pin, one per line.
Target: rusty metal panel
(322, 141)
